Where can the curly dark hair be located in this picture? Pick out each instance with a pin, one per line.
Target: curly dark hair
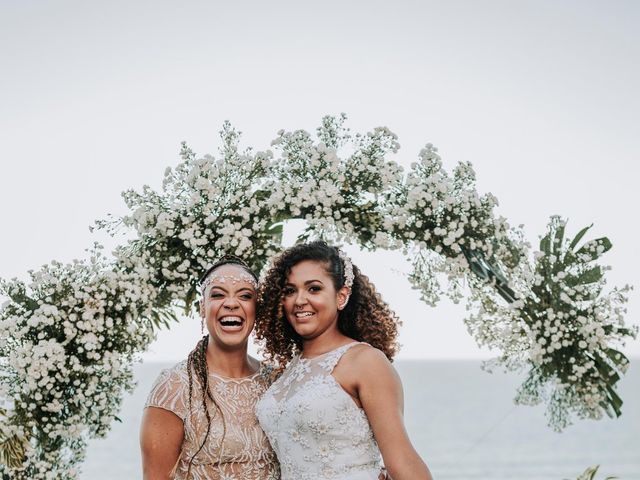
(365, 318)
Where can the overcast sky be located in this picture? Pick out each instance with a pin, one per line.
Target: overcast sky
(541, 96)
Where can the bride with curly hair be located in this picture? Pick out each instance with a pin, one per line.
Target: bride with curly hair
(338, 405)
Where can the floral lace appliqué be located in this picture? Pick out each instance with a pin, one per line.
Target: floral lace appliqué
(315, 427)
(245, 452)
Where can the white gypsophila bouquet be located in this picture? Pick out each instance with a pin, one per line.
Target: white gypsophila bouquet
(539, 311)
(338, 197)
(563, 327)
(556, 322)
(237, 203)
(207, 207)
(451, 229)
(68, 339)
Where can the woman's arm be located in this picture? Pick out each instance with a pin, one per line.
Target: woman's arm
(161, 435)
(379, 389)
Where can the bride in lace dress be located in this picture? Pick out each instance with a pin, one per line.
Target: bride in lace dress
(337, 408)
(199, 422)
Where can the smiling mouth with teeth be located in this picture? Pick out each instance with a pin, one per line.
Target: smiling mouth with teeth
(303, 314)
(231, 321)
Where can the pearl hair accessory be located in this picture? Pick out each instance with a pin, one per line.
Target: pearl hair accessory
(348, 268)
(348, 275)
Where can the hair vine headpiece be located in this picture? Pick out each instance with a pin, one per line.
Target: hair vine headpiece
(233, 279)
(210, 276)
(348, 268)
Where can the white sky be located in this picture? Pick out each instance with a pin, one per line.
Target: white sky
(541, 96)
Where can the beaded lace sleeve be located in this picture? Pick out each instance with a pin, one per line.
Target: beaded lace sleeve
(170, 391)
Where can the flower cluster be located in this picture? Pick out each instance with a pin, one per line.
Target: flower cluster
(69, 337)
(337, 197)
(449, 228)
(67, 342)
(561, 326)
(571, 325)
(208, 207)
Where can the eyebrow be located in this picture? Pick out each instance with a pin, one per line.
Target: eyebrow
(225, 290)
(306, 283)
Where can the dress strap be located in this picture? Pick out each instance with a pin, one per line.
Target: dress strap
(332, 359)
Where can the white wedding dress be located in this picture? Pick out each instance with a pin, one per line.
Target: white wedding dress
(314, 426)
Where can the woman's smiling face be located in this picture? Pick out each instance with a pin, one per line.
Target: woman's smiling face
(310, 299)
(229, 306)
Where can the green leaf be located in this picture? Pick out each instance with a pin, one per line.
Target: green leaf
(621, 331)
(589, 473)
(617, 357)
(588, 276)
(607, 372)
(190, 298)
(276, 229)
(570, 256)
(578, 237)
(591, 276)
(163, 317)
(262, 195)
(476, 265)
(590, 249)
(158, 321)
(615, 401)
(545, 244)
(556, 246)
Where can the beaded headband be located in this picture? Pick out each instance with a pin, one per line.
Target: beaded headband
(233, 279)
(211, 277)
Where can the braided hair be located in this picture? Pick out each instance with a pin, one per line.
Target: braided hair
(197, 364)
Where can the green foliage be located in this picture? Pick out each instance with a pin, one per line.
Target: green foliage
(590, 474)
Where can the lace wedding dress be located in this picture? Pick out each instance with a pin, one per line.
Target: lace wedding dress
(315, 427)
(245, 452)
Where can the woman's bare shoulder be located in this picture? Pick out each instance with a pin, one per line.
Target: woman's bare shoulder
(367, 358)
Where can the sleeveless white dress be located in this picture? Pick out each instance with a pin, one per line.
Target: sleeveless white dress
(314, 426)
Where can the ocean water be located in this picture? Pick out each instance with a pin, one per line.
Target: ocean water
(461, 420)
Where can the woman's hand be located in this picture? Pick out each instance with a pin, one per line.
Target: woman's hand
(161, 435)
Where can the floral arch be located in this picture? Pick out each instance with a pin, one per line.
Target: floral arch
(69, 337)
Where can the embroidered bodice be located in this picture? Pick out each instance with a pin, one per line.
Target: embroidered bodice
(245, 452)
(315, 427)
